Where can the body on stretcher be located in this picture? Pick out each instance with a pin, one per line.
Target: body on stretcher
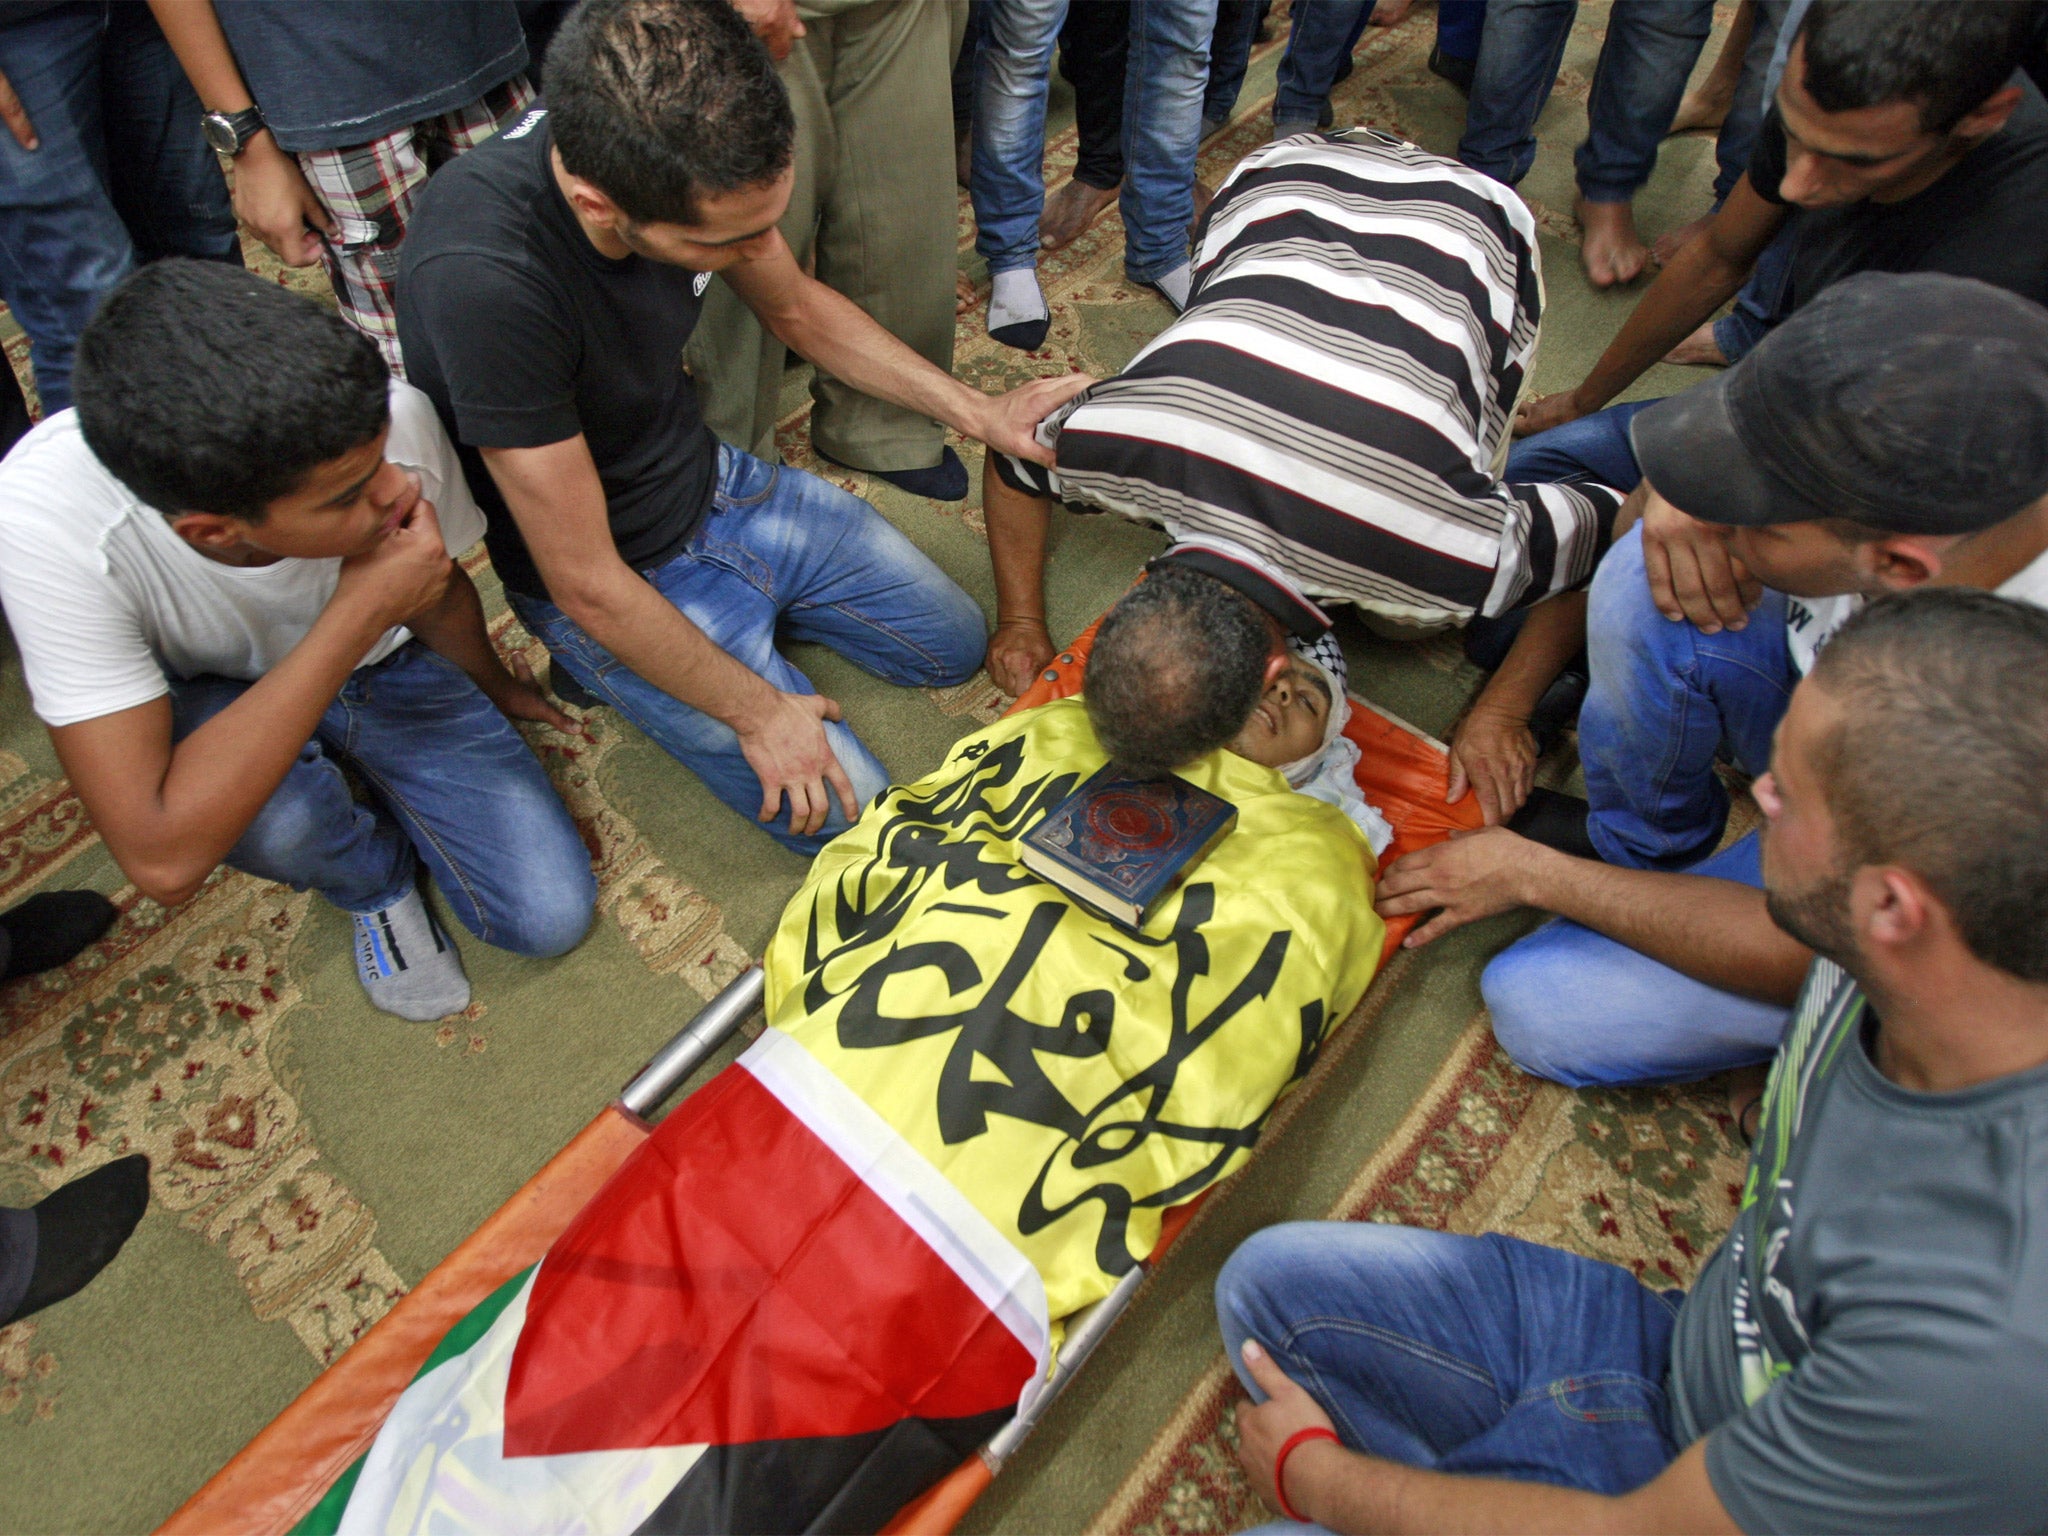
(784, 1395)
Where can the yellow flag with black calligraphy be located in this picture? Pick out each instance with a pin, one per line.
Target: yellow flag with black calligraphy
(1071, 1079)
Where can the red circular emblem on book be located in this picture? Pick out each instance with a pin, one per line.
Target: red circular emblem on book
(1130, 819)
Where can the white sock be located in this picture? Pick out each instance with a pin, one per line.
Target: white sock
(1175, 284)
(1015, 299)
(406, 962)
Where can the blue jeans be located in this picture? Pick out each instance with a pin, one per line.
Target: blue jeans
(1480, 1355)
(1650, 49)
(1594, 447)
(1761, 302)
(121, 176)
(454, 785)
(1164, 81)
(1320, 38)
(1576, 1007)
(1665, 698)
(783, 549)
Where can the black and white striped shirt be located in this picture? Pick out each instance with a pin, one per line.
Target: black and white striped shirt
(1340, 389)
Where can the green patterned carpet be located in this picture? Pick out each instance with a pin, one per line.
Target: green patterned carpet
(313, 1158)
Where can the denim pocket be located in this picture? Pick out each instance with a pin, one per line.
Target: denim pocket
(1607, 1397)
(753, 481)
(563, 636)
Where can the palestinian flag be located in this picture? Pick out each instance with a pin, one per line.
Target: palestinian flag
(835, 1271)
(777, 1317)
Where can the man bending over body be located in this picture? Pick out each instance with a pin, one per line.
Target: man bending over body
(1892, 434)
(548, 285)
(1868, 1350)
(228, 572)
(1332, 407)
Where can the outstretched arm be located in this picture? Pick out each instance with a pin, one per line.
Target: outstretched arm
(1018, 525)
(830, 330)
(1715, 931)
(1702, 277)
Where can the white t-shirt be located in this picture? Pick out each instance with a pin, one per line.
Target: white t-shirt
(1810, 622)
(107, 603)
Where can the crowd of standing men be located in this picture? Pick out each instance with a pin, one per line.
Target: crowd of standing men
(570, 247)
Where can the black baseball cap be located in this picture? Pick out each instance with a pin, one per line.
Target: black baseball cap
(1914, 403)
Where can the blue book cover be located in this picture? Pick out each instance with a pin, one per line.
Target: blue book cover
(1119, 844)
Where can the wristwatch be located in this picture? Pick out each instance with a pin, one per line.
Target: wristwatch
(229, 132)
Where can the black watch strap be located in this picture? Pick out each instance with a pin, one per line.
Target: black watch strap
(230, 132)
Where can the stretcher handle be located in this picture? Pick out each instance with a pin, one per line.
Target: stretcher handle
(1083, 1335)
(693, 1045)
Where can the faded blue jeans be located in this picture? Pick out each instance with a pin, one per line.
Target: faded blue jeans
(121, 176)
(1164, 81)
(1650, 49)
(1594, 447)
(1665, 698)
(782, 550)
(1574, 1006)
(1482, 1355)
(453, 784)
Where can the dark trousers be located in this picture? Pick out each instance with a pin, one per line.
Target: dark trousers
(1095, 45)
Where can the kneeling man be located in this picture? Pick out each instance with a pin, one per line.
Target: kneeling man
(228, 570)
(1868, 1351)
(1334, 405)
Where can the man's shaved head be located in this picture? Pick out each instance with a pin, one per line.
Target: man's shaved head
(1177, 669)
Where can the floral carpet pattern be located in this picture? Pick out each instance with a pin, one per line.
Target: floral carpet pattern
(292, 1207)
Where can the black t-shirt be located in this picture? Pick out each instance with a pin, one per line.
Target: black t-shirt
(1987, 218)
(523, 334)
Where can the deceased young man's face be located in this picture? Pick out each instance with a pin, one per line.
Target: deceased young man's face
(1288, 723)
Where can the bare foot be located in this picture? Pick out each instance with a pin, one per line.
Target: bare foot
(1699, 350)
(1672, 241)
(965, 294)
(1703, 108)
(1204, 195)
(1069, 212)
(1612, 252)
(1706, 104)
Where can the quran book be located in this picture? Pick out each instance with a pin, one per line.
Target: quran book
(1121, 845)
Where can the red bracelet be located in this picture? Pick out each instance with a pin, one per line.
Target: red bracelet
(1288, 1447)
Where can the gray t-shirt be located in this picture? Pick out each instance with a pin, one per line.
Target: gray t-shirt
(1869, 1349)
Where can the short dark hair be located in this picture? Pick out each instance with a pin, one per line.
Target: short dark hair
(656, 102)
(206, 389)
(1940, 760)
(1946, 55)
(1178, 667)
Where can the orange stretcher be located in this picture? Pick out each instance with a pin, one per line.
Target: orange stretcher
(275, 1480)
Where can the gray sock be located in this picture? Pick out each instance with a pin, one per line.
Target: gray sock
(407, 964)
(1017, 313)
(1176, 283)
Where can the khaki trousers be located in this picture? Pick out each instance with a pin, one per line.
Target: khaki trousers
(874, 205)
